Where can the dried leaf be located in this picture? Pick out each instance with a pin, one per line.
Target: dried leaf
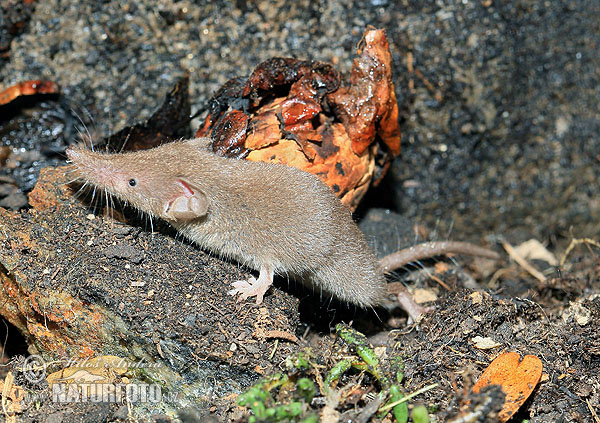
(423, 296)
(534, 250)
(517, 378)
(263, 132)
(485, 343)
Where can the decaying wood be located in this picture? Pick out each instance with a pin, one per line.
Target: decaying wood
(302, 114)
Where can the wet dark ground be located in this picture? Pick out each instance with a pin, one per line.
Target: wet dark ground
(499, 113)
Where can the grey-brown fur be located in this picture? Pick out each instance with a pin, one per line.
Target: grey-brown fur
(258, 214)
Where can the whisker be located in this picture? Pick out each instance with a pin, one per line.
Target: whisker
(107, 205)
(125, 142)
(84, 137)
(72, 180)
(93, 121)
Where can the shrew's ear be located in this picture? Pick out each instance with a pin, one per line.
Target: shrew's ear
(189, 204)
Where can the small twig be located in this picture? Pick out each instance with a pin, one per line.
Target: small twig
(429, 86)
(222, 330)
(58, 269)
(587, 401)
(305, 334)
(8, 384)
(410, 68)
(497, 275)
(575, 242)
(322, 388)
(280, 334)
(274, 349)
(523, 263)
(439, 281)
(215, 308)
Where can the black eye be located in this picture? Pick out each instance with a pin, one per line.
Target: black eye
(132, 182)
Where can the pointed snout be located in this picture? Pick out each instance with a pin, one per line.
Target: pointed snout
(86, 160)
(91, 166)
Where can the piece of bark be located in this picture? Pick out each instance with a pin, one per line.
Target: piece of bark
(294, 109)
(25, 88)
(368, 105)
(282, 71)
(229, 135)
(168, 123)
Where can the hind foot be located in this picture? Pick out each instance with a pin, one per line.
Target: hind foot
(254, 287)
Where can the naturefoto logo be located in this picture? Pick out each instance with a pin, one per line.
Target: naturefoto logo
(106, 392)
(92, 380)
(34, 369)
